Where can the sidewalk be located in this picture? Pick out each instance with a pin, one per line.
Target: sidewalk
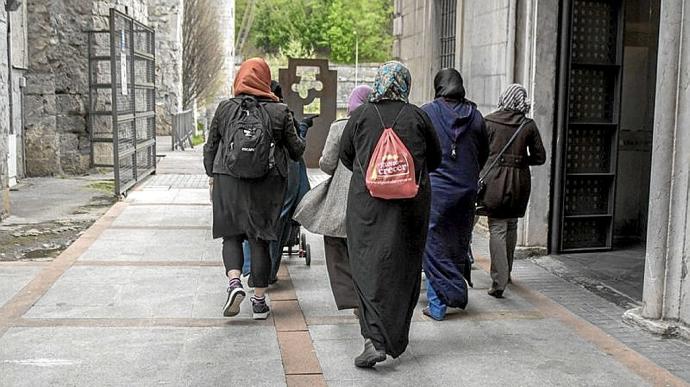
(137, 301)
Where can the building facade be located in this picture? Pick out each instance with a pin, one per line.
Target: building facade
(13, 64)
(609, 94)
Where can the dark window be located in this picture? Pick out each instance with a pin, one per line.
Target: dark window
(448, 23)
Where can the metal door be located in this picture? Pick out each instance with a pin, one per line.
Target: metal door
(589, 115)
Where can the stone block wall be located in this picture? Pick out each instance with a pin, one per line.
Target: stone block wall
(56, 96)
(165, 16)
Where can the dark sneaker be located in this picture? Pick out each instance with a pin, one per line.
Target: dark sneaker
(370, 356)
(236, 295)
(496, 293)
(260, 309)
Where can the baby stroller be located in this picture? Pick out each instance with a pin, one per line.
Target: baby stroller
(289, 230)
(299, 239)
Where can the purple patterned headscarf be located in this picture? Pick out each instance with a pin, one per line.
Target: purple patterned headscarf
(359, 95)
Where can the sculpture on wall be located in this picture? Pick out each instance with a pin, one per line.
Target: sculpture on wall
(309, 88)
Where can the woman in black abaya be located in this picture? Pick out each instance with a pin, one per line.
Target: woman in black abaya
(386, 238)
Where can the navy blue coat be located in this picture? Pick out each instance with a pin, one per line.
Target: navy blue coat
(465, 144)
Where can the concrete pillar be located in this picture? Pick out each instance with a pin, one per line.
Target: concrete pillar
(666, 296)
(536, 69)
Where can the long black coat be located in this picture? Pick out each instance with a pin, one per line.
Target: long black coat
(386, 238)
(250, 207)
(509, 184)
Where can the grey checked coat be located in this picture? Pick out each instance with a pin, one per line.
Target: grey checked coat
(322, 210)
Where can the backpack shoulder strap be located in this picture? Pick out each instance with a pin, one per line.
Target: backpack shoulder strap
(396, 117)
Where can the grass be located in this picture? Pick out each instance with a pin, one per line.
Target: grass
(103, 185)
(198, 139)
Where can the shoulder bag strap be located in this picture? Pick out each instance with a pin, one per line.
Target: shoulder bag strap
(505, 148)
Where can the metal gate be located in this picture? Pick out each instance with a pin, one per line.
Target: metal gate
(589, 115)
(122, 90)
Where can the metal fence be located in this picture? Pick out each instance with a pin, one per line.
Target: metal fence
(122, 118)
(183, 129)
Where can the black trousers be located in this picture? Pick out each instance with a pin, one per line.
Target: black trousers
(338, 265)
(233, 258)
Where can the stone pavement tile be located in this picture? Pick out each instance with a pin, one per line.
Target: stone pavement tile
(158, 195)
(137, 292)
(512, 352)
(13, 279)
(476, 353)
(140, 357)
(298, 353)
(162, 216)
(155, 245)
(337, 356)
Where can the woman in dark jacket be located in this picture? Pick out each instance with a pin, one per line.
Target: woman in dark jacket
(248, 209)
(386, 237)
(508, 184)
(462, 132)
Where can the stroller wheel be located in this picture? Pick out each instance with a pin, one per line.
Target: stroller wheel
(307, 256)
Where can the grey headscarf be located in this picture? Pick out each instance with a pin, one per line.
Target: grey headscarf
(514, 98)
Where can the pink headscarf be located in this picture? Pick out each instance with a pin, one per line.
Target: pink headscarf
(359, 95)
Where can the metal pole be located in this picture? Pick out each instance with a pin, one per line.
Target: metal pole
(356, 59)
(113, 88)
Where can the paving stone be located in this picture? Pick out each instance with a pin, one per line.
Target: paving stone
(137, 292)
(155, 245)
(141, 357)
(161, 216)
(157, 195)
(13, 279)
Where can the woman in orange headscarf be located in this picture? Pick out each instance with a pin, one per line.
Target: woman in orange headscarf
(245, 157)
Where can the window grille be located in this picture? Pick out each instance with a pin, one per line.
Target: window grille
(448, 32)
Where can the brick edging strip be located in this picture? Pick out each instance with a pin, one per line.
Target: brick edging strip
(300, 363)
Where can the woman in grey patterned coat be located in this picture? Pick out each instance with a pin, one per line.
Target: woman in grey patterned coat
(322, 210)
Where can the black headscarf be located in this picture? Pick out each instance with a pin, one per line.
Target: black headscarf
(448, 84)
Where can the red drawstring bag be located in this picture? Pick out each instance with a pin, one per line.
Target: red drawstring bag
(391, 170)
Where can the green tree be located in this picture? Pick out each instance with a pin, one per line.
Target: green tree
(368, 21)
(329, 28)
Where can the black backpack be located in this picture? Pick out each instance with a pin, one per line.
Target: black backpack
(249, 148)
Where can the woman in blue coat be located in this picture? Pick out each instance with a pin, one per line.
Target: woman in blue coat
(465, 144)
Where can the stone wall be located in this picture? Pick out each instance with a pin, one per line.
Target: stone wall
(486, 45)
(4, 117)
(416, 46)
(165, 17)
(56, 137)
